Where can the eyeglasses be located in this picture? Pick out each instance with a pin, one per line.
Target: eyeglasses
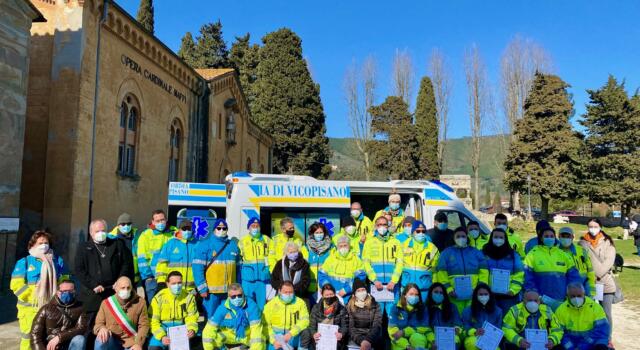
(125, 224)
(420, 231)
(220, 228)
(235, 296)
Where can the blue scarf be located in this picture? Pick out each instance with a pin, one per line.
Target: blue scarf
(242, 322)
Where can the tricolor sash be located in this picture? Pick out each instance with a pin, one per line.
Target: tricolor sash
(121, 317)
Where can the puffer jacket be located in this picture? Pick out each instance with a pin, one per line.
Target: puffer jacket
(340, 319)
(365, 323)
(602, 256)
(58, 320)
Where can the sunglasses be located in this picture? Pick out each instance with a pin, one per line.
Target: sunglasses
(235, 296)
(220, 228)
(421, 231)
(125, 224)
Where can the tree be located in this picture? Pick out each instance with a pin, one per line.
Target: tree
(395, 146)
(403, 76)
(211, 50)
(441, 78)
(487, 195)
(497, 203)
(145, 15)
(613, 146)
(478, 100)
(545, 147)
(426, 122)
(244, 57)
(359, 89)
(188, 50)
(288, 106)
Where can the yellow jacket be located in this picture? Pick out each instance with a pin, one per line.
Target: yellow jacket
(518, 318)
(281, 318)
(168, 310)
(382, 259)
(278, 243)
(255, 254)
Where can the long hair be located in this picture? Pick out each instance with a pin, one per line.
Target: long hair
(606, 236)
(419, 307)
(476, 305)
(446, 303)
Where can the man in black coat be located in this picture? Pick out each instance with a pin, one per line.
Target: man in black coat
(441, 235)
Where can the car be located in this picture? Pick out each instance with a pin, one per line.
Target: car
(566, 213)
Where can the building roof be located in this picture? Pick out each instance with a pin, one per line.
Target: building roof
(212, 73)
(37, 16)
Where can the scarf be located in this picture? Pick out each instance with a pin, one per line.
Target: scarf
(319, 247)
(48, 284)
(329, 310)
(286, 274)
(593, 240)
(242, 322)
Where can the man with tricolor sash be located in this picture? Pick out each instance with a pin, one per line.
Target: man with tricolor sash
(121, 322)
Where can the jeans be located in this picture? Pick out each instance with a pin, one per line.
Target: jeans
(607, 301)
(111, 344)
(76, 343)
(150, 289)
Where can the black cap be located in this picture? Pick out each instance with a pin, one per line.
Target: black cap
(347, 221)
(358, 283)
(441, 217)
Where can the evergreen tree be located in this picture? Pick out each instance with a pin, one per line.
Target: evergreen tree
(288, 106)
(211, 50)
(395, 150)
(612, 144)
(497, 203)
(544, 146)
(244, 57)
(145, 15)
(188, 50)
(427, 130)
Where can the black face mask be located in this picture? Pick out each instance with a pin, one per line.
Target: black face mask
(290, 232)
(331, 300)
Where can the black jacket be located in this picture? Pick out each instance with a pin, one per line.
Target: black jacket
(93, 270)
(341, 319)
(56, 319)
(300, 288)
(441, 239)
(365, 323)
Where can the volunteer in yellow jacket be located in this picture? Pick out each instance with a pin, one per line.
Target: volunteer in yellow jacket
(477, 238)
(364, 225)
(287, 234)
(397, 214)
(530, 314)
(349, 230)
(150, 244)
(500, 221)
(286, 316)
(580, 258)
(254, 269)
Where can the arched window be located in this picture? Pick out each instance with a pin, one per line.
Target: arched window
(175, 144)
(129, 119)
(249, 165)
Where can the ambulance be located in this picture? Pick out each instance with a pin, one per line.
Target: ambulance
(308, 200)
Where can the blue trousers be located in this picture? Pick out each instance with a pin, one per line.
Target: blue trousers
(111, 344)
(150, 289)
(76, 343)
(256, 290)
(211, 303)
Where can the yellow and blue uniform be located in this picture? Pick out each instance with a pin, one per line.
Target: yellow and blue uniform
(436, 319)
(340, 272)
(355, 243)
(516, 242)
(548, 270)
(224, 327)
(403, 235)
(177, 255)
(419, 261)
(315, 260)
(584, 326)
(583, 265)
(283, 318)
(382, 258)
(472, 322)
(413, 322)
(479, 242)
(254, 269)
(457, 262)
(518, 318)
(513, 264)
(150, 244)
(278, 242)
(131, 241)
(169, 310)
(396, 220)
(25, 276)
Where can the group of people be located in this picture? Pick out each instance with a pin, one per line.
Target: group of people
(387, 282)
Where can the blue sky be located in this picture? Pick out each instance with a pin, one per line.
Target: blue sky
(587, 40)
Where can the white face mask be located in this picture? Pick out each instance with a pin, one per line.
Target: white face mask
(350, 230)
(532, 306)
(355, 213)
(577, 301)
(343, 251)
(44, 247)
(124, 294)
(100, 236)
(361, 295)
(593, 231)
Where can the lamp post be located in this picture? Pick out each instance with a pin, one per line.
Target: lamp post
(529, 214)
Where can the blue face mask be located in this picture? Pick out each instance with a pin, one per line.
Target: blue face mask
(318, 236)
(67, 297)
(407, 230)
(394, 206)
(125, 229)
(420, 237)
(187, 234)
(286, 298)
(175, 288)
(438, 298)
(237, 302)
(412, 299)
(443, 226)
(566, 242)
(549, 242)
(160, 226)
(255, 232)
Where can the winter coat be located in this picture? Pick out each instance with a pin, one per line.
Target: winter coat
(442, 239)
(299, 275)
(136, 310)
(340, 319)
(365, 323)
(603, 255)
(58, 320)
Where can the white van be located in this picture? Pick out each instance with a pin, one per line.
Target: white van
(307, 200)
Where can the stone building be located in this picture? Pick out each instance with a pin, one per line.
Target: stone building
(156, 120)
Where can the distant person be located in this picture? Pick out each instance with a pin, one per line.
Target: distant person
(634, 230)
(293, 268)
(501, 221)
(483, 309)
(530, 314)
(583, 320)
(129, 235)
(365, 318)
(441, 235)
(316, 252)
(364, 225)
(404, 232)
(254, 249)
(477, 238)
(580, 258)
(540, 226)
(286, 234)
(420, 258)
(397, 214)
(150, 244)
(341, 269)
(501, 256)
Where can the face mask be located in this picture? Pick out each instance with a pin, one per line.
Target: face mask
(577, 301)
(175, 288)
(125, 229)
(67, 297)
(566, 242)
(124, 294)
(361, 295)
(474, 233)
(498, 242)
(443, 226)
(343, 251)
(549, 242)
(331, 300)
(286, 298)
(461, 242)
(187, 234)
(44, 247)
(407, 231)
(293, 256)
(532, 306)
(318, 236)
(382, 231)
(394, 206)
(412, 299)
(255, 232)
(438, 298)
(484, 299)
(392, 229)
(290, 232)
(350, 230)
(220, 233)
(237, 302)
(100, 237)
(503, 227)
(420, 237)
(355, 213)
(594, 231)
(161, 226)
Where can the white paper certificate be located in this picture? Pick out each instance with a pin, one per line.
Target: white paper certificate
(599, 291)
(328, 340)
(446, 337)
(500, 281)
(178, 337)
(463, 287)
(285, 345)
(537, 338)
(382, 295)
(491, 338)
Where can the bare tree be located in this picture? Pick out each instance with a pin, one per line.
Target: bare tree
(442, 85)
(359, 87)
(478, 100)
(403, 76)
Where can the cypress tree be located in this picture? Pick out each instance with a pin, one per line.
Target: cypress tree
(244, 57)
(545, 146)
(188, 50)
(145, 15)
(211, 50)
(288, 106)
(426, 120)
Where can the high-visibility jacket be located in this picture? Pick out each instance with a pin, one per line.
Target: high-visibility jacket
(395, 220)
(412, 322)
(516, 242)
(418, 263)
(132, 243)
(149, 246)
(585, 269)
(513, 264)
(455, 262)
(281, 318)
(278, 242)
(382, 258)
(518, 319)
(215, 264)
(364, 225)
(221, 328)
(354, 241)
(549, 270)
(479, 242)
(472, 322)
(315, 261)
(25, 276)
(402, 236)
(168, 310)
(340, 271)
(584, 326)
(177, 255)
(255, 258)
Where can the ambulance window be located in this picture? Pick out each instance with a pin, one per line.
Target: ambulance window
(453, 217)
